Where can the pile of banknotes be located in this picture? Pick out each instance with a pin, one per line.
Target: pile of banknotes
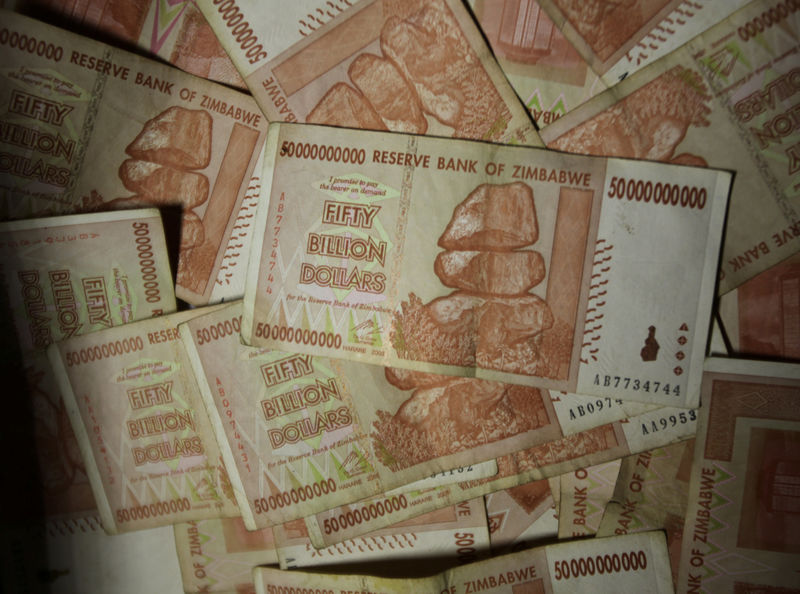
(400, 296)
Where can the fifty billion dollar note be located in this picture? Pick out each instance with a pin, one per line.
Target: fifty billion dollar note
(87, 127)
(144, 436)
(588, 275)
(62, 277)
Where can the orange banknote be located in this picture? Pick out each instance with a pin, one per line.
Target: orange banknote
(418, 66)
(64, 277)
(87, 127)
(144, 435)
(529, 267)
(742, 530)
(173, 31)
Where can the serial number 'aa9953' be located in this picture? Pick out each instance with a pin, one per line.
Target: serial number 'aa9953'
(659, 193)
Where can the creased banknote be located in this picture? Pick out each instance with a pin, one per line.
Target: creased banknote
(293, 439)
(650, 494)
(173, 31)
(584, 496)
(144, 435)
(728, 99)
(458, 533)
(63, 277)
(552, 77)
(218, 555)
(417, 66)
(588, 448)
(88, 127)
(632, 563)
(618, 38)
(521, 516)
(761, 317)
(505, 263)
(741, 530)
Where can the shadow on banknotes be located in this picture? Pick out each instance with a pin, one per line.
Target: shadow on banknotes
(23, 515)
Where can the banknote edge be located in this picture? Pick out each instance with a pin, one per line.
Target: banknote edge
(214, 419)
(259, 228)
(80, 219)
(82, 437)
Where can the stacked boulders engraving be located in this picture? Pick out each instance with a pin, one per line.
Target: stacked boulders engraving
(650, 123)
(491, 320)
(445, 415)
(162, 169)
(428, 67)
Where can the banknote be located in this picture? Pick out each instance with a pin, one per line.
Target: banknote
(588, 448)
(344, 261)
(741, 530)
(584, 565)
(584, 496)
(761, 317)
(455, 534)
(291, 434)
(89, 127)
(618, 38)
(218, 555)
(521, 516)
(725, 99)
(543, 67)
(651, 494)
(174, 31)
(418, 66)
(144, 435)
(62, 277)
